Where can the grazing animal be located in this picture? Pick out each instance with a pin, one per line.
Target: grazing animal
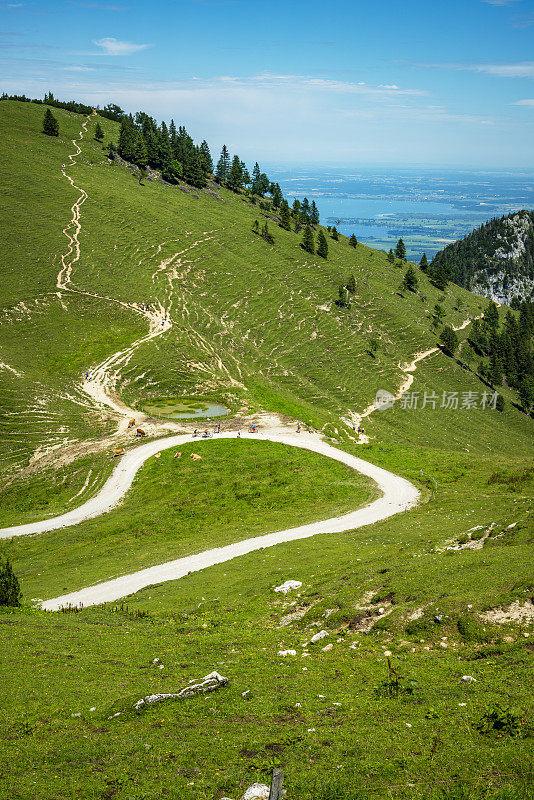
(131, 423)
(140, 432)
(118, 452)
(196, 457)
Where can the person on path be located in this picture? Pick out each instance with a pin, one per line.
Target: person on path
(239, 434)
(298, 428)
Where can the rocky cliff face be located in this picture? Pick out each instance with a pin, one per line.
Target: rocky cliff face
(495, 260)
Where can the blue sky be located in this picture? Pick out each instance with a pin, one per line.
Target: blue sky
(350, 82)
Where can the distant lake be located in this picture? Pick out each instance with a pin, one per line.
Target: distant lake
(428, 208)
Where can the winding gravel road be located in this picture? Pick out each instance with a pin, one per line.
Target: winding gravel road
(398, 495)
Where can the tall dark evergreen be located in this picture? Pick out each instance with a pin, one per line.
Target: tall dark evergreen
(50, 124)
(449, 340)
(410, 281)
(99, 133)
(285, 216)
(314, 213)
(391, 256)
(400, 250)
(351, 285)
(424, 263)
(223, 165)
(10, 594)
(322, 245)
(235, 175)
(307, 242)
(335, 234)
(353, 240)
(205, 158)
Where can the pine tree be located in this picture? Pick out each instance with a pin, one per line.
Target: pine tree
(439, 277)
(255, 226)
(410, 281)
(351, 285)
(491, 316)
(314, 213)
(99, 133)
(308, 243)
(235, 176)
(322, 245)
(50, 124)
(205, 158)
(265, 234)
(277, 195)
(285, 216)
(424, 263)
(400, 250)
(353, 240)
(193, 171)
(10, 594)
(140, 154)
(335, 234)
(391, 256)
(223, 165)
(449, 340)
(127, 139)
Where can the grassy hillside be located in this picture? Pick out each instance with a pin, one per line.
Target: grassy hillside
(255, 327)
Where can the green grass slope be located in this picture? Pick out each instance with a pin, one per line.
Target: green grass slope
(254, 326)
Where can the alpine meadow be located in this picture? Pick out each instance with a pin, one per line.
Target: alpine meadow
(265, 491)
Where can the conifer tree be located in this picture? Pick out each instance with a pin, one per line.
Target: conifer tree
(10, 594)
(410, 280)
(424, 263)
(205, 158)
(50, 124)
(140, 154)
(391, 256)
(322, 245)
(353, 241)
(439, 277)
(335, 234)
(235, 175)
(308, 243)
(285, 216)
(314, 213)
(277, 196)
(449, 340)
(223, 165)
(99, 133)
(193, 172)
(351, 285)
(400, 250)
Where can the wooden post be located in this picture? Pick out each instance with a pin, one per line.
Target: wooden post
(276, 784)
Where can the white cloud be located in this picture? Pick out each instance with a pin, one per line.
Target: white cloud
(521, 69)
(524, 69)
(114, 47)
(527, 102)
(500, 2)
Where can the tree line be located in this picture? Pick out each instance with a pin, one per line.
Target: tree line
(110, 111)
(505, 351)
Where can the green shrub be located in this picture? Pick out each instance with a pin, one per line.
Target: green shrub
(10, 594)
(471, 630)
(502, 721)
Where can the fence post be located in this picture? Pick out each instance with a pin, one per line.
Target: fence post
(276, 784)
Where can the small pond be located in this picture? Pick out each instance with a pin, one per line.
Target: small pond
(184, 408)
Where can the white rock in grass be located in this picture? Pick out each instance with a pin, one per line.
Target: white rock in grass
(285, 653)
(258, 791)
(468, 679)
(327, 647)
(288, 586)
(318, 636)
